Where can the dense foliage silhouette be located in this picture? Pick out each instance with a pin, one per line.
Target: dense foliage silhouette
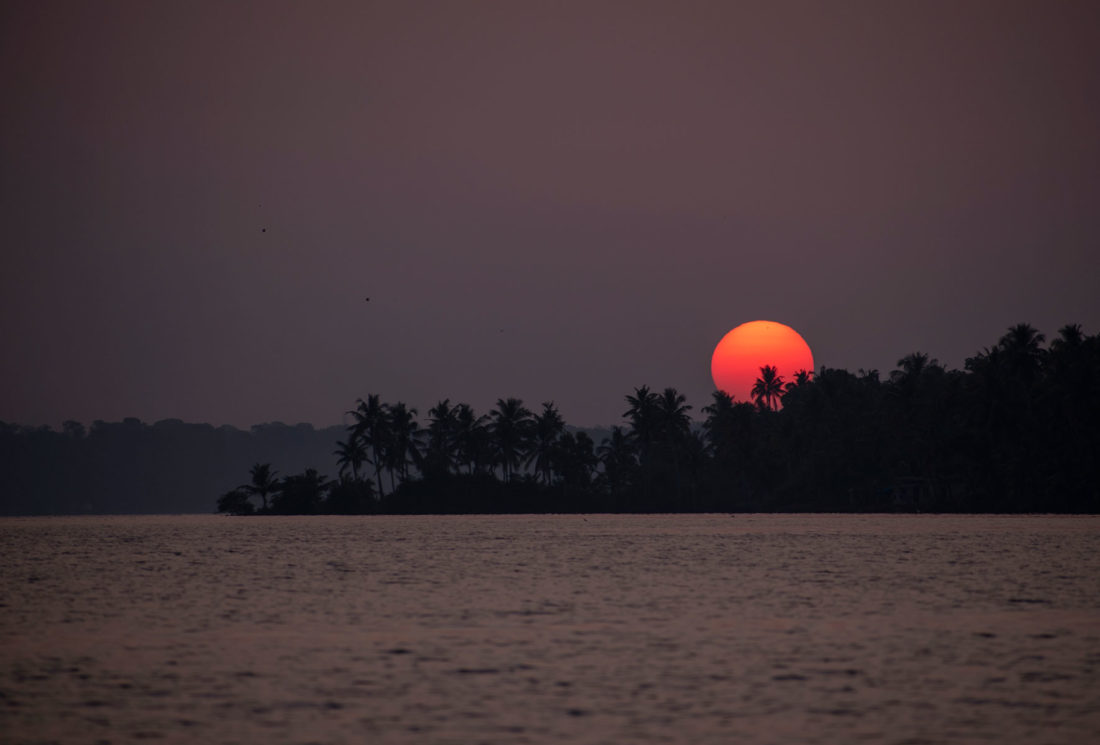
(1017, 430)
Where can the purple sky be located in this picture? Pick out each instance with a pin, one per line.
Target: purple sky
(549, 201)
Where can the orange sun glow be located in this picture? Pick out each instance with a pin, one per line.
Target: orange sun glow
(741, 353)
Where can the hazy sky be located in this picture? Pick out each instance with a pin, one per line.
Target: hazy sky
(555, 201)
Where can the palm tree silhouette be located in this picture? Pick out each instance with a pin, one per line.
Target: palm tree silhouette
(721, 430)
(574, 459)
(801, 378)
(510, 425)
(439, 453)
(547, 427)
(371, 422)
(1024, 354)
(264, 483)
(616, 453)
(1070, 336)
(1070, 377)
(768, 389)
(350, 454)
(643, 417)
(402, 447)
(910, 369)
(1023, 338)
(472, 444)
(718, 412)
(674, 431)
(672, 414)
(644, 423)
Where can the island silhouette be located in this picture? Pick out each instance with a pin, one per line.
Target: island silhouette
(1017, 430)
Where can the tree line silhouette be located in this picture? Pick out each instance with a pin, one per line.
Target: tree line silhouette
(1016, 431)
(133, 467)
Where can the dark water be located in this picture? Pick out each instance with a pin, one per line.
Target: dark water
(604, 629)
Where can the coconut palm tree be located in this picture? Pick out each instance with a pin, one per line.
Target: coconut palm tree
(350, 454)
(912, 368)
(547, 427)
(402, 447)
(673, 436)
(616, 453)
(264, 484)
(370, 428)
(801, 378)
(439, 455)
(1070, 336)
(1023, 341)
(768, 389)
(472, 443)
(510, 426)
(915, 412)
(672, 415)
(720, 429)
(1072, 397)
(574, 459)
(643, 418)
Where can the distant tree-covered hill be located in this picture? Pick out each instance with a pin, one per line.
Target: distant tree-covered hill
(132, 467)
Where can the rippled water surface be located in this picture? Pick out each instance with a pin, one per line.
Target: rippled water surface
(550, 629)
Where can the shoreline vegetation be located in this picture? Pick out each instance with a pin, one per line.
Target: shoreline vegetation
(1016, 431)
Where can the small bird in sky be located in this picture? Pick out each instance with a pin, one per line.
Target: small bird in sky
(367, 300)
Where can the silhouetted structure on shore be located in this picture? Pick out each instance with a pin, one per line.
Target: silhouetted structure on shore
(1018, 430)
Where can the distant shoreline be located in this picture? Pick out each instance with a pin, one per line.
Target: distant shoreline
(1015, 432)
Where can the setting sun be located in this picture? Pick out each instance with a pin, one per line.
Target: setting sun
(741, 353)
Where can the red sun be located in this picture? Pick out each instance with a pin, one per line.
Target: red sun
(737, 359)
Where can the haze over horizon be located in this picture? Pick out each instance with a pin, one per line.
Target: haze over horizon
(555, 202)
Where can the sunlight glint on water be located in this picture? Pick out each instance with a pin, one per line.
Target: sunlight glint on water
(547, 629)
